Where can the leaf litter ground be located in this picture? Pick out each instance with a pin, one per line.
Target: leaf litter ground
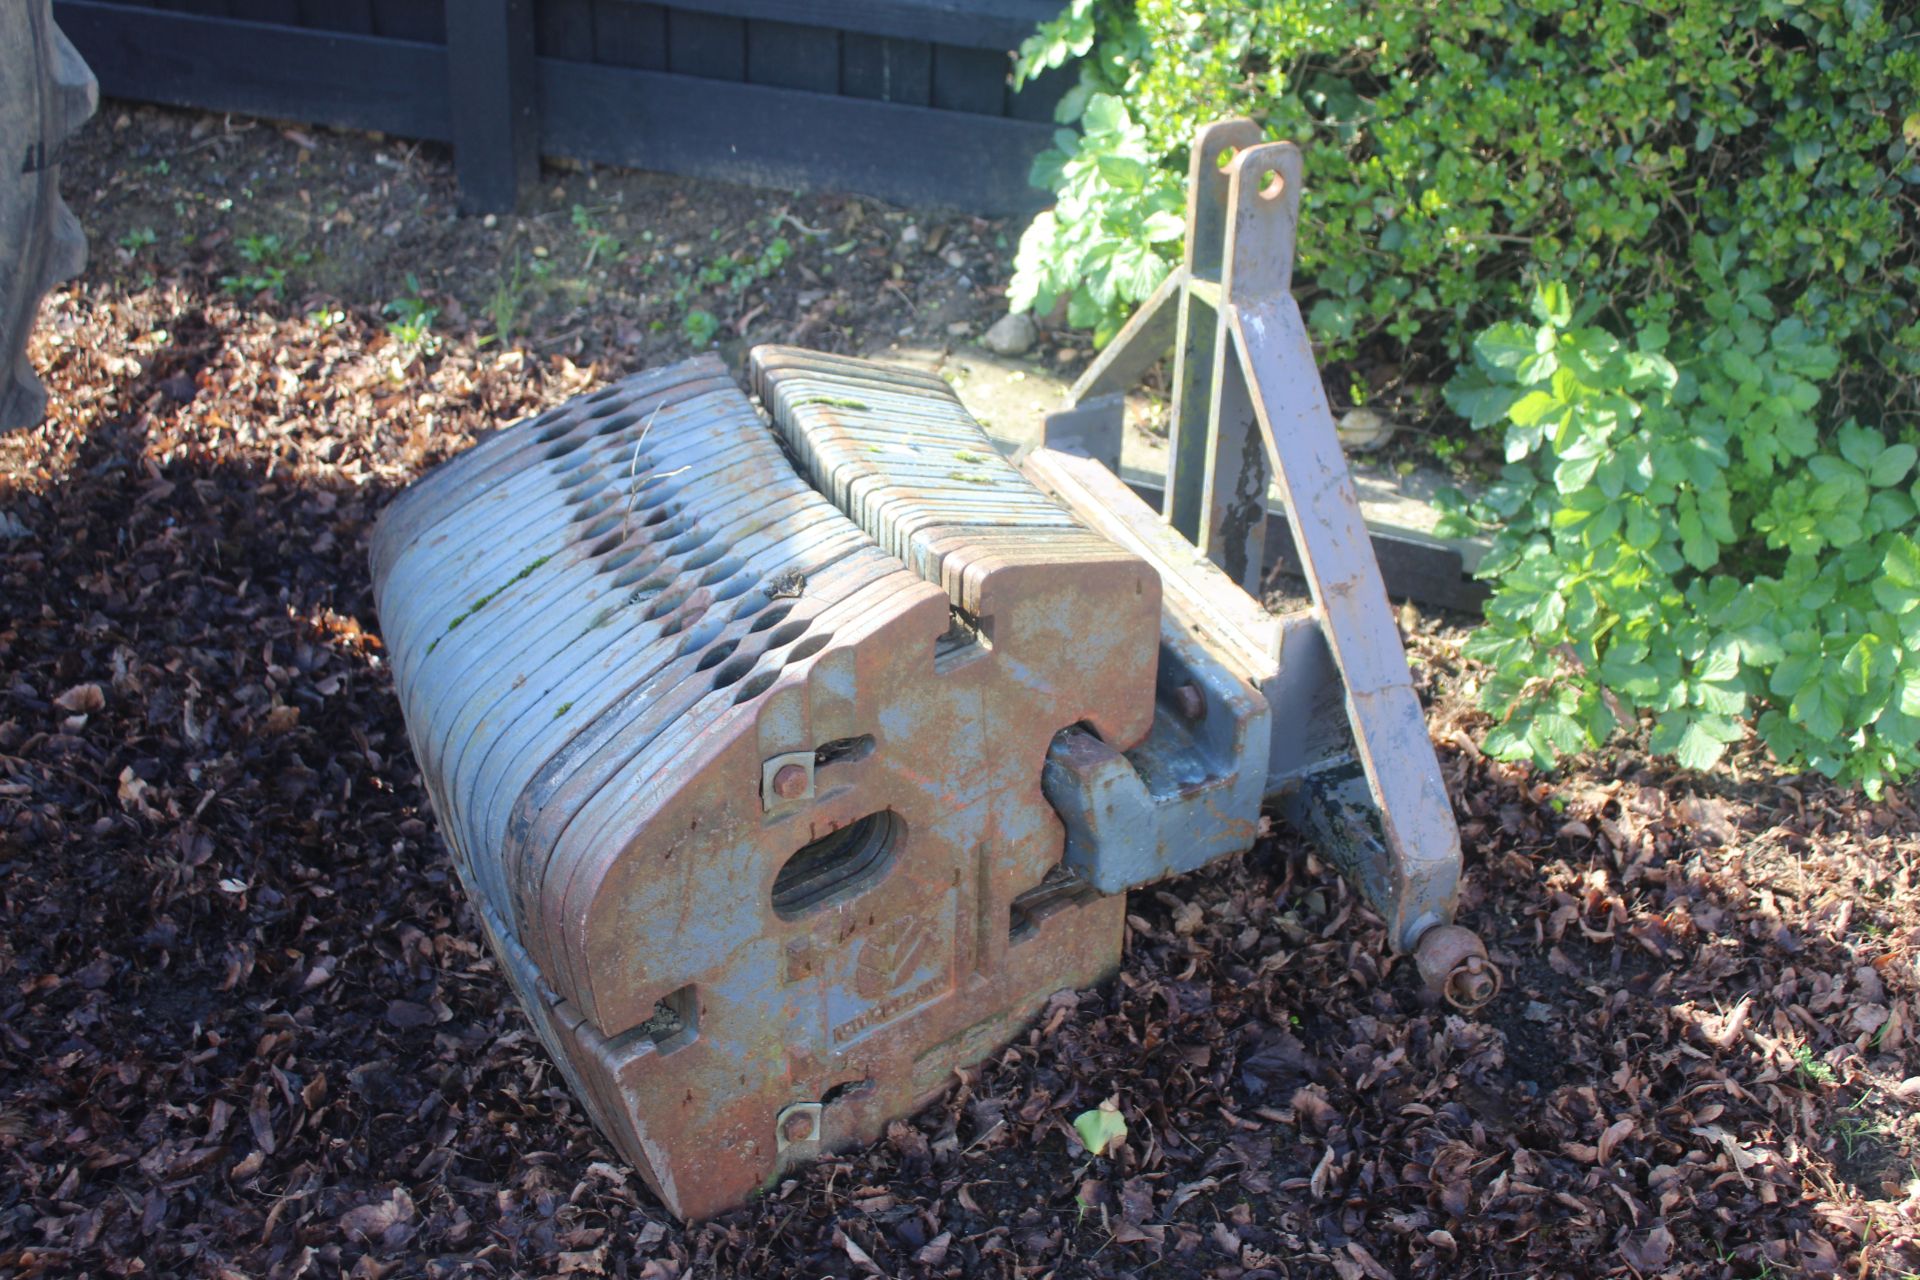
(247, 1028)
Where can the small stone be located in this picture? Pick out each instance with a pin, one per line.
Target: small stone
(1011, 335)
(491, 221)
(954, 258)
(959, 328)
(1363, 430)
(911, 235)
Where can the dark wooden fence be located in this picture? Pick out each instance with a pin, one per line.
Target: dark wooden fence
(903, 99)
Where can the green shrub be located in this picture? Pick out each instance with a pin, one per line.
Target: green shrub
(1673, 540)
(1705, 516)
(1457, 153)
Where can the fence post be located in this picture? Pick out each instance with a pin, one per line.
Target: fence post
(493, 94)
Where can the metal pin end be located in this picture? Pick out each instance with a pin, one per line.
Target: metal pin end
(1453, 963)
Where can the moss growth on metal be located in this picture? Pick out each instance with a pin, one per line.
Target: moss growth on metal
(487, 599)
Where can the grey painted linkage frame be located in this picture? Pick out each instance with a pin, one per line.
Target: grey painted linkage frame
(1249, 408)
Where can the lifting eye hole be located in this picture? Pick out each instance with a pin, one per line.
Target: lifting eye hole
(837, 866)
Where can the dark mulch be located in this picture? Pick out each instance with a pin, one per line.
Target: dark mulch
(247, 1027)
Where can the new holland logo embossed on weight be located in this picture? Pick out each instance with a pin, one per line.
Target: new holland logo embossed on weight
(890, 955)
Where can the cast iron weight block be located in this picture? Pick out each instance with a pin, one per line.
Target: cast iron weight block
(759, 836)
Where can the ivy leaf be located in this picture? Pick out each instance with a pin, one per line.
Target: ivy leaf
(1100, 1127)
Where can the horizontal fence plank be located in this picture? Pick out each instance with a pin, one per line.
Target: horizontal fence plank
(791, 57)
(564, 29)
(282, 11)
(630, 35)
(700, 44)
(972, 80)
(886, 69)
(217, 64)
(789, 139)
(981, 24)
(338, 15)
(409, 19)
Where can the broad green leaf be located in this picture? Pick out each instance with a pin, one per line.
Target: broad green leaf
(1105, 114)
(1739, 366)
(1535, 407)
(1818, 708)
(1162, 226)
(1903, 562)
(1910, 693)
(1481, 404)
(1704, 742)
(1722, 661)
(1537, 368)
(1552, 305)
(1701, 551)
(1100, 1128)
(1502, 347)
(1554, 733)
(1891, 467)
(1867, 663)
(1123, 172)
(1643, 527)
(1862, 446)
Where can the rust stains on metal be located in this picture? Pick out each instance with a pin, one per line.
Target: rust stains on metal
(736, 966)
